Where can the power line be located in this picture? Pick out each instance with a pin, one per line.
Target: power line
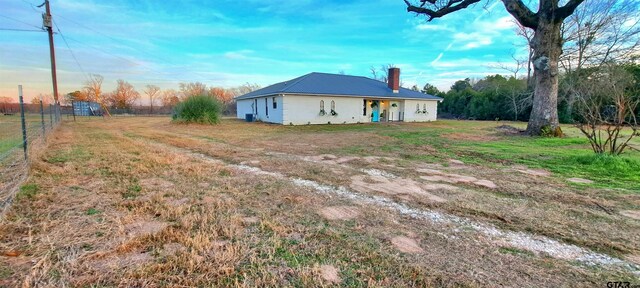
(20, 21)
(132, 47)
(72, 54)
(149, 69)
(21, 30)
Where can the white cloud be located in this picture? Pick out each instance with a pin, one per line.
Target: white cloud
(433, 27)
(472, 40)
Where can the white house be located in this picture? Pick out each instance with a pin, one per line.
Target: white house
(321, 98)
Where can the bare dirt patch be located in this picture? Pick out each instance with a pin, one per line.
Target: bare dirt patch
(532, 172)
(339, 212)
(439, 176)
(469, 137)
(406, 244)
(633, 214)
(156, 184)
(509, 130)
(144, 228)
(580, 180)
(177, 202)
(112, 262)
(250, 220)
(398, 186)
(173, 248)
(330, 274)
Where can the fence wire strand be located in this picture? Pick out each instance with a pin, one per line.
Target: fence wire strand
(14, 162)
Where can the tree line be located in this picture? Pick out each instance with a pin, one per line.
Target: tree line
(125, 95)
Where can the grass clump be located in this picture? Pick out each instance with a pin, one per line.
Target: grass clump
(28, 191)
(198, 109)
(92, 211)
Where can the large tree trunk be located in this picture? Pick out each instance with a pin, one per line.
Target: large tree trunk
(547, 46)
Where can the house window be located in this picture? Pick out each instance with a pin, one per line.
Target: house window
(364, 107)
(418, 107)
(266, 107)
(333, 105)
(255, 102)
(275, 104)
(424, 107)
(322, 105)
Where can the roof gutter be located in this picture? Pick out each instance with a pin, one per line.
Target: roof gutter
(338, 95)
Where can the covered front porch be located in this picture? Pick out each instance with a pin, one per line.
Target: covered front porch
(383, 110)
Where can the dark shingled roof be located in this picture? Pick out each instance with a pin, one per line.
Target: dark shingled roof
(335, 84)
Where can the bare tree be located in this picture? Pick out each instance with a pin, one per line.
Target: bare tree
(193, 89)
(244, 89)
(46, 99)
(3, 103)
(607, 108)
(124, 96)
(381, 74)
(599, 32)
(546, 44)
(152, 91)
(93, 88)
(527, 35)
(223, 95)
(170, 98)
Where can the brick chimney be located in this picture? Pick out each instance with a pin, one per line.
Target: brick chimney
(393, 79)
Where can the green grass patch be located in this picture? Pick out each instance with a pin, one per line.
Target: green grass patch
(93, 211)
(28, 191)
(567, 157)
(515, 251)
(76, 153)
(133, 191)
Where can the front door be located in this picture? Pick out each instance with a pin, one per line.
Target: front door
(375, 111)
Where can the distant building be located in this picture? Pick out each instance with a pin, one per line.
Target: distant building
(321, 98)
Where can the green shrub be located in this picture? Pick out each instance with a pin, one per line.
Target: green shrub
(198, 109)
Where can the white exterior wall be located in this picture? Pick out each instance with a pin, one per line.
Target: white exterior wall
(302, 109)
(260, 114)
(410, 114)
(244, 107)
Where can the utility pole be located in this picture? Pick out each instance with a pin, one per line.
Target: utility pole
(47, 23)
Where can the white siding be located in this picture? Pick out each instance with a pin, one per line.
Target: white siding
(410, 114)
(260, 114)
(244, 107)
(302, 109)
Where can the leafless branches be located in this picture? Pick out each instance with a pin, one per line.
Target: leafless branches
(607, 108)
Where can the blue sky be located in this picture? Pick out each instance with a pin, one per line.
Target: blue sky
(227, 43)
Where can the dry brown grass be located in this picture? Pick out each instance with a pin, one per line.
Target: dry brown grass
(130, 205)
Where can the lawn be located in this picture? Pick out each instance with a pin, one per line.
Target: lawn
(145, 202)
(11, 131)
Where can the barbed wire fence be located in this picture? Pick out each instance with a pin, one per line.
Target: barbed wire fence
(21, 133)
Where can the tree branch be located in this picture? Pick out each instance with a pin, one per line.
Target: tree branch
(522, 13)
(450, 7)
(566, 10)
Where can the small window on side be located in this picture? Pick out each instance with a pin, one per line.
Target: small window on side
(275, 104)
(364, 107)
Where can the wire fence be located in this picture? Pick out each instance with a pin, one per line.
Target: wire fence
(21, 133)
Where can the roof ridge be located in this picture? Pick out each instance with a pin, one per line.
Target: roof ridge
(296, 82)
